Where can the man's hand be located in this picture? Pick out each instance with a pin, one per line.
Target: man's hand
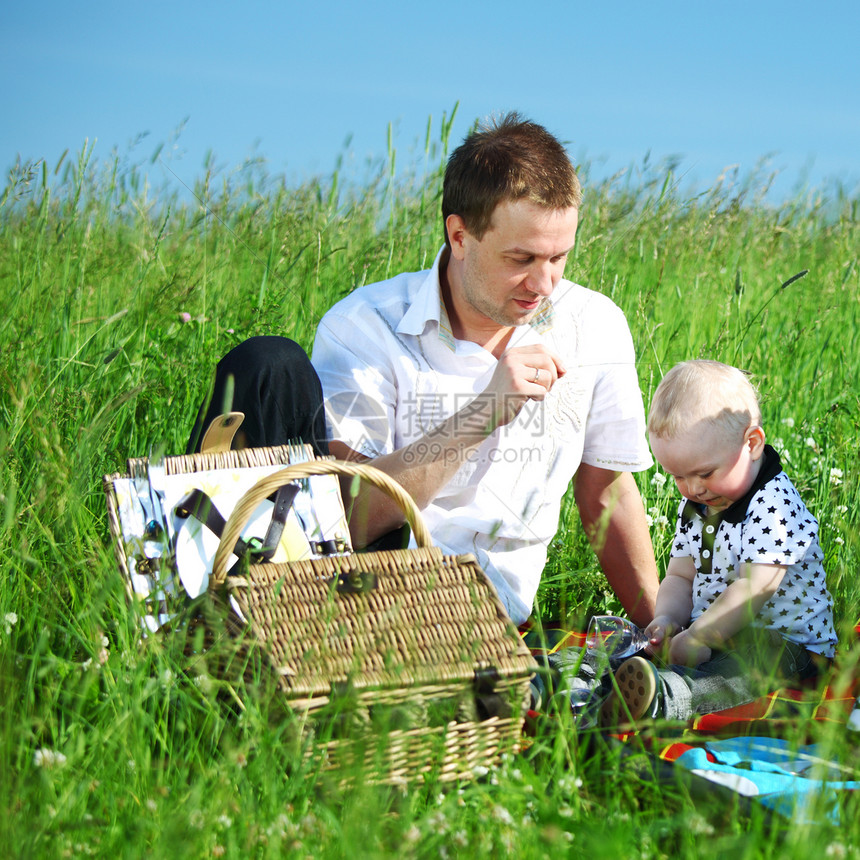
(523, 373)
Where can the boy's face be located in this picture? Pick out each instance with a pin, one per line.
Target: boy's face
(709, 467)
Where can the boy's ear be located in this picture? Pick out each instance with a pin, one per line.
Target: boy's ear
(755, 439)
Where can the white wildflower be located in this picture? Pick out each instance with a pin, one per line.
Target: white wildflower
(839, 539)
(204, 683)
(196, 819)
(837, 850)
(151, 805)
(569, 784)
(836, 477)
(413, 834)
(11, 619)
(649, 519)
(662, 521)
(654, 511)
(700, 825)
(310, 824)
(438, 822)
(842, 509)
(47, 758)
(479, 771)
(789, 422)
(502, 815)
(811, 443)
(225, 821)
(658, 480)
(282, 826)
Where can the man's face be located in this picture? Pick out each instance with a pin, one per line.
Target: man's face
(506, 275)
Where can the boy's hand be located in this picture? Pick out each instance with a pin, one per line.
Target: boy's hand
(686, 650)
(658, 632)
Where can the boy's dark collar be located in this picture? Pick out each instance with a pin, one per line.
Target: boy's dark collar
(737, 510)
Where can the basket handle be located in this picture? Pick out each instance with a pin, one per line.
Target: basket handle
(268, 484)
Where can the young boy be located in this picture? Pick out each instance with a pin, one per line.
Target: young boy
(744, 606)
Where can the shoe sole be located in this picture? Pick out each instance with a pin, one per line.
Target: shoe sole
(637, 686)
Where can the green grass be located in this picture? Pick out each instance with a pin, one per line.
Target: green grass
(97, 268)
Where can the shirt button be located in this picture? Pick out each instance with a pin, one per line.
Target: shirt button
(706, 553)
(709, 529)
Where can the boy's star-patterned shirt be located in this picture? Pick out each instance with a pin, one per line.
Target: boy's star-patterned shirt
(769, 525)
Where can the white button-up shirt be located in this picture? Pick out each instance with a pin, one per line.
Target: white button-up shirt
(391, 370)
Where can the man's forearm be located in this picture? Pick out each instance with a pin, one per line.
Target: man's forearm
(422, 468)
(614, 518)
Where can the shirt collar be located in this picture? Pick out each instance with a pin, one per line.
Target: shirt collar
(737, 510)
(427, 306)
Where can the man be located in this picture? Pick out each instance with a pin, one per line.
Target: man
(486, 383)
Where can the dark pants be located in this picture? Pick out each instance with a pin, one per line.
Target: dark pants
(273, 382)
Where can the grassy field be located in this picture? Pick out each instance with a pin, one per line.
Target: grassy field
(119, 299)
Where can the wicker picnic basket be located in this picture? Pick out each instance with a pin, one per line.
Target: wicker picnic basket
(395, 664)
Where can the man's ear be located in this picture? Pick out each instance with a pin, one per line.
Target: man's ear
(755, 439)
(456, 229)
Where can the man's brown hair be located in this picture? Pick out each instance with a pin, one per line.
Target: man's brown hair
(507, 159)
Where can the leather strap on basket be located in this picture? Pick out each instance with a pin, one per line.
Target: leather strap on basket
(268, 484)
(200, 506)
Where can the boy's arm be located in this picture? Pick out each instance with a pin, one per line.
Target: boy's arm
(730, 613)
(674, 601)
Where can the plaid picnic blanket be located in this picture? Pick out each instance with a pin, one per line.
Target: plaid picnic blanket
(740, 749)
(766, 715)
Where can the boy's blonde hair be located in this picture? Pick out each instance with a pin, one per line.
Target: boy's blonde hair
(703, 392)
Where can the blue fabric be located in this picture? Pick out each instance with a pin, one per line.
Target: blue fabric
(793, 781)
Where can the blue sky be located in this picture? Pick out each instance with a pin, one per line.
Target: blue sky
(717, 84)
